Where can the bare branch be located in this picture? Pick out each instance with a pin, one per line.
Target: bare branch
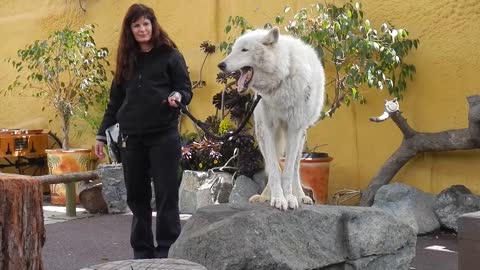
(199, 82)
(402, 124)
(415, 142)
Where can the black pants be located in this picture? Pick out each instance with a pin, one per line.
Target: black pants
(145, 158)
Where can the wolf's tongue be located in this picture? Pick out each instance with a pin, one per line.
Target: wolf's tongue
(241, 81)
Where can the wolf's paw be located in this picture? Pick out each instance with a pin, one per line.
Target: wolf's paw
(279, 202)
(292, 201)
(257, 199)
(306, 200)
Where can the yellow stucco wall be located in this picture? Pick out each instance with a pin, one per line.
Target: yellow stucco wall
(446, 61)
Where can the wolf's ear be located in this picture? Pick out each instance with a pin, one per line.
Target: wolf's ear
(271, 37)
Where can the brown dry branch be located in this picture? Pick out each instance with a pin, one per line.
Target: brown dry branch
(415, 142)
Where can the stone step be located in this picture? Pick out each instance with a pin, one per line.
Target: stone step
(150, 264)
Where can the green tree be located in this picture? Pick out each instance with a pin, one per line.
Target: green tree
(67, 70)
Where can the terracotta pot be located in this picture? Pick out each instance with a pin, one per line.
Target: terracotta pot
(67, 161)
(314, 173)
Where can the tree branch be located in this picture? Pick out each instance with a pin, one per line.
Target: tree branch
(414, 143)
(199, 82)
(402, 124)
(393, 164)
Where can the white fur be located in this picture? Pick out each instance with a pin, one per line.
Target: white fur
(291, 80)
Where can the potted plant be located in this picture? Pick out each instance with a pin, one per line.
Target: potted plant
(315, 173)
(210, 166)
(68, 71)
(200, 152)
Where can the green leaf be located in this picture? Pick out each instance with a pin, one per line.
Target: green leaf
(355, 93)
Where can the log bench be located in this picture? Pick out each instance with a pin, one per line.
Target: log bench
(469, 241)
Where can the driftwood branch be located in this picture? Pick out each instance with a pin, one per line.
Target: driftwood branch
(418, 142)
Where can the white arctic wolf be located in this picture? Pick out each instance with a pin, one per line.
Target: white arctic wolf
(289, 76)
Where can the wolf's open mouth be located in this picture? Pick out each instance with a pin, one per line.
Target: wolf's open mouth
(246, 75)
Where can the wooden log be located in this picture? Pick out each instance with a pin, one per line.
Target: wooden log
(22, 233)
(68, 177)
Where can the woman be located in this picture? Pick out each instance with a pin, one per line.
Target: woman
(150, 76)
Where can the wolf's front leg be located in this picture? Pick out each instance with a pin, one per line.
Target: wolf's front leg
(297, 188)
(295, 139)
(265, 133)
(277, 198)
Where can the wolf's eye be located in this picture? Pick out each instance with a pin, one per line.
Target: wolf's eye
(244, 50)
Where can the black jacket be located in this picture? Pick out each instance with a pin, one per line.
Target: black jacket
(140, 104)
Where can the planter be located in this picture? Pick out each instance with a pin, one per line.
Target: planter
(67, 161)
(314, 175)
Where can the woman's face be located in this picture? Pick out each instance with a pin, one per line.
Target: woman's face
(142, 30)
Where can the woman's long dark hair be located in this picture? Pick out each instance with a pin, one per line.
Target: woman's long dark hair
(128, 47)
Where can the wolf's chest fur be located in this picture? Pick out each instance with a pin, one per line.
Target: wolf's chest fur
(289, 104)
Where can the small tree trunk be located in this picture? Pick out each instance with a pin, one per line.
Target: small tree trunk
(22, 233)
(65, 131)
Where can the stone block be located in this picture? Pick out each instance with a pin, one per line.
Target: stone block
(469, 241)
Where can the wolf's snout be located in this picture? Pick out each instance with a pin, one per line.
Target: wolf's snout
(222, 66)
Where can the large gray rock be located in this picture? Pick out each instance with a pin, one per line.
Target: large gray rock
(409, 205)
(113, 188)
(243, 189)
(261, 179)
(190, 197)
(453, 202)
(220, 186)
(200, 189)
(260, 237)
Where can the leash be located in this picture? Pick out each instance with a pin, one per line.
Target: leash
(227, 135)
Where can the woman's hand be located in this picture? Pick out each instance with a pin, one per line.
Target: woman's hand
(99, 149)
(172, 97)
